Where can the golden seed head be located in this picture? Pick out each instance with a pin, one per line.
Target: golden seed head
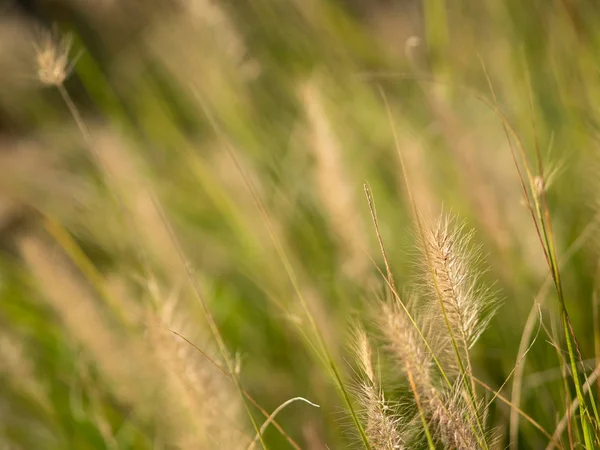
(539, 186)
(52, 57)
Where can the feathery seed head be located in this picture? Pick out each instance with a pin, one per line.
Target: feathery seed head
(383, 426)
(52, 58)
(445, 408)
(539, 187)
(469, 304)
(409, 47)
(406, 344)
(542, 183)
(450, 418)
(363, 352)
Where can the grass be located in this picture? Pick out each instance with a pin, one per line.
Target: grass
(188, 259)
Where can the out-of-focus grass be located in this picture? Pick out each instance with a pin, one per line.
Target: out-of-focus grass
(215, 106)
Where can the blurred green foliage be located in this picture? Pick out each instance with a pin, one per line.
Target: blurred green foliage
(169, 84)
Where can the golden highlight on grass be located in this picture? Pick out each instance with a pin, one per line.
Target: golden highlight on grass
(442, 407)
(384, 425)
(411, 339)
(470, 304)
(52, 56)
(421, 229)
(332, 181)
(200, 255)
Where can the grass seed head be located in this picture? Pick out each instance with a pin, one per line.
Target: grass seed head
(52, 57)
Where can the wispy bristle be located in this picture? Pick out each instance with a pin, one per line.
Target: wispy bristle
(204, 392)
(52, 57)
(406, 344)
(333, 181)
(450, 418)
(364, 353)
(469, 304)
(383, 426)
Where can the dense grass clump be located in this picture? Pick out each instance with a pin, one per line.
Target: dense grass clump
(310, 225)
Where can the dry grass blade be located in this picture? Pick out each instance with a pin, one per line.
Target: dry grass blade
(271, 418)
(538, 207)
(373, 212)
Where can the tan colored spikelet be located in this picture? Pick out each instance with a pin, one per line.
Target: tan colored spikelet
(405, 343)
(383, 426)
(450, 415)
(18, 367)
(124, 172)
(449, 423)
(333, 185)
(141, 372)
(52, 58)
(207, 392)
(80, 313)
(364, 352)
(218, 64)
(213, 15)
(469, 304)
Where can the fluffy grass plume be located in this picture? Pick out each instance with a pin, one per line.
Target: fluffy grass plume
(383, 425)
(444, 407)
(182, 246)
(457, 272)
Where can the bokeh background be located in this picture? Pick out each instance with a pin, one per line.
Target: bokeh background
(240, 134)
